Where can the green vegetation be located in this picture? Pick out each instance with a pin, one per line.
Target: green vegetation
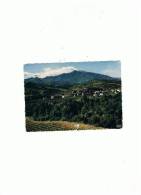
(95, 103)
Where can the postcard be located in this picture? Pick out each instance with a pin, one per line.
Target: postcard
(73, 96)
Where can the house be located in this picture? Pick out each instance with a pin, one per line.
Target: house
(52, 97)
(118, 90)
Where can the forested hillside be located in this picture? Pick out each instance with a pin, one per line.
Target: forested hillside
(97, 102)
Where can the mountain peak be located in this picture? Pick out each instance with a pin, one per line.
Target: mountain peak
(73, 77)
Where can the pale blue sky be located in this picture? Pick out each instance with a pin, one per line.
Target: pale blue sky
(111, 68)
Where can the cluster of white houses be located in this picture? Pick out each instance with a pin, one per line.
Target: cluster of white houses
(94, 92)
(88, 92)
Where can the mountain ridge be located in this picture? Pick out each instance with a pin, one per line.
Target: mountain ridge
(70, 78)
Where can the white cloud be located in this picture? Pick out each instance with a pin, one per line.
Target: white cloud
(49, 72)
(29, 75)
(113, 72)
(55, 71)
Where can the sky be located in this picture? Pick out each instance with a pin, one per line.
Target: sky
(41, 70)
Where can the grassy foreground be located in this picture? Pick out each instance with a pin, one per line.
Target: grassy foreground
(32, 125)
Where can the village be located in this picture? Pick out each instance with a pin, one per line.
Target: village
(76, 93)
(95, 92)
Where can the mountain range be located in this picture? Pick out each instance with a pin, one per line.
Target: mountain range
(74, 77)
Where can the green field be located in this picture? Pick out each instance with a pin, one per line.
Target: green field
(32, 125)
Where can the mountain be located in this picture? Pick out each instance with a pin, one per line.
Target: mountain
(74, 77)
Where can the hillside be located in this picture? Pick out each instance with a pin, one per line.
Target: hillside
(41, 90)
(75, 77)
(32, 125)
(96, 103)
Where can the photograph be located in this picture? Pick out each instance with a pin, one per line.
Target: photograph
(73, 96)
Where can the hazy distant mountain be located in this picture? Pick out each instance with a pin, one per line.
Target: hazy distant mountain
(70, 78)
